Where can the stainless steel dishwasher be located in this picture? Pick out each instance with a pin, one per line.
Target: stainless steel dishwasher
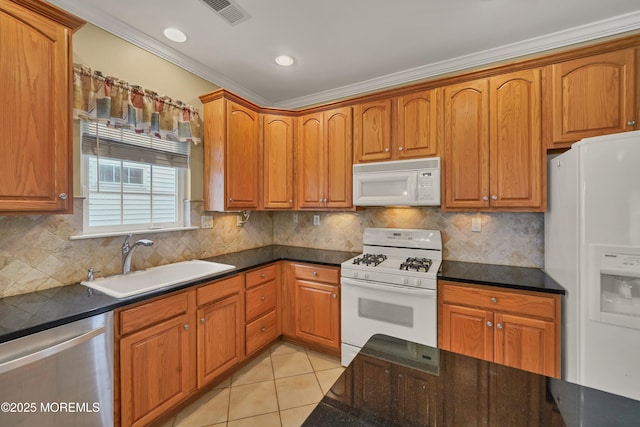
(59, 377)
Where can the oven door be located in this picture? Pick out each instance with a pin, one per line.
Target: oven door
(370, 308)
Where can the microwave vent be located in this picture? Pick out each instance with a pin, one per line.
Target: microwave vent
(429, 163)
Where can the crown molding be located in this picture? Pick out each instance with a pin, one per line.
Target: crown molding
(595, 30)
(143, 41)
(599, 29)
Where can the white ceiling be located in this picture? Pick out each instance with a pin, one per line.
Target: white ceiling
(345, 47)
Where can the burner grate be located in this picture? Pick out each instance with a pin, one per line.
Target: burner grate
(416, 264)
(370, 259)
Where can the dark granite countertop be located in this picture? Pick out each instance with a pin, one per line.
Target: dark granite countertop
(26, 314)
(526, 278)
(393, 382)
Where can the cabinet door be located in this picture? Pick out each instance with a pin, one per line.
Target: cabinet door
(339, 144)
(35, 113)
(591, 96)
(317, 308)
(415, 397)
(242, 157)
(372, 131)
(525, 343)
(220, 337)
(154, 370)
(467, 331)
(416, 128)
(310, 161)
(277, 143)
(466, 145)
(516, 154)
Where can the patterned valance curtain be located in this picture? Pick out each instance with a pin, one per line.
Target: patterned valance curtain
(121, 105)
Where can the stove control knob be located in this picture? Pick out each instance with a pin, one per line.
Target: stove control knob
(366, 275)
(419, 282)
(405, 281)
(355, 274)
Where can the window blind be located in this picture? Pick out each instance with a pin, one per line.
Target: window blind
(124, 144)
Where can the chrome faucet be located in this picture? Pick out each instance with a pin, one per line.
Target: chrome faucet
(127, 252)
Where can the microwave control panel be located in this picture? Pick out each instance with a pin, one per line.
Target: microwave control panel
(429, 184)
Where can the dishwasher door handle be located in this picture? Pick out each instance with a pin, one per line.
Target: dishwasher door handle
(49, 351)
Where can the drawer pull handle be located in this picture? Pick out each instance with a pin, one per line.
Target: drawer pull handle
(263, 275)
(489, 324)
(494, 300)
(315, 273)
(631, 123)
(263, 329)
(62, 196)
(202, 320)
(262, 298)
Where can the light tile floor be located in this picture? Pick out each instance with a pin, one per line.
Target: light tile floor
(278, 388)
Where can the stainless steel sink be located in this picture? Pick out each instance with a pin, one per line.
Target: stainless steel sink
(138, 282)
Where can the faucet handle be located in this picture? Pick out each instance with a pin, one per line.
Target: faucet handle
(90, 274)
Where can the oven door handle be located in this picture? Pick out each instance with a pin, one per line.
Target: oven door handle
(408, 290)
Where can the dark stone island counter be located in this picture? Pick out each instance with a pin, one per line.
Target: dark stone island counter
(394, 382)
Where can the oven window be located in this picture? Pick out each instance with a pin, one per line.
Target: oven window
(385, 312)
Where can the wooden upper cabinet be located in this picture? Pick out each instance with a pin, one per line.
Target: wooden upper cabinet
(324, 150)
(310, 161)
(466, 144)
(516, 156)
(231, 154)
(372, 131)
(416, 126)
(590, 96)
(277, 176)
(493, 156)
(35, 114)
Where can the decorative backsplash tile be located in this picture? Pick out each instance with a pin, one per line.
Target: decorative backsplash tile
(506, 238)
(36, 253)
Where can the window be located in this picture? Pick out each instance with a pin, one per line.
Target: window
(131, 181)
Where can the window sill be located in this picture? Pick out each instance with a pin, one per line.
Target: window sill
(124, 233)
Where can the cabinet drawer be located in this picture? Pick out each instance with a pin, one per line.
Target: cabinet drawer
(261, 331)
(260, 299)
(261, 275)
(499, 300)
(317, 274)
(147, 314)
(220, 289)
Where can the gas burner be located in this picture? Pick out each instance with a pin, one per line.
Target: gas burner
(370, 259)
(416, 264)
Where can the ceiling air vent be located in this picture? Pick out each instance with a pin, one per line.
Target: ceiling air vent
(232, 13)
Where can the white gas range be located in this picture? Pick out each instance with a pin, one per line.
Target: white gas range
(391, 288)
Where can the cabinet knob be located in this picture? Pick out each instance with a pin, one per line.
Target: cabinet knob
(494, 300)
(499, 326)
(400, 148)
(631, 123)
(263, 329)
(263, 275)
(290, 201)
(325, 200)
(262, 298)
(231, 199)
(315, 273)
(489, 324)
(202, 320)
(386, 150)
(494, 197)
(186, 326)
(334, 296)
(62, 196)
(485, 198)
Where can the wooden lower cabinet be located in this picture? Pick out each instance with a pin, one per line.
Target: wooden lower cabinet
(262, 315)
(515, 328)
(156, 361)
(312, 305)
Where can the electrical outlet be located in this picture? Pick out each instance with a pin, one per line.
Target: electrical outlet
(316, 220)
(476, 224)
(206, 221)
(295, 218)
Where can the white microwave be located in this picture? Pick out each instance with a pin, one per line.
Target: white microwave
(397, 183)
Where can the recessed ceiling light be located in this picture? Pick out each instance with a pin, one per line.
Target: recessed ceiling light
(175, 35)
(284, 60)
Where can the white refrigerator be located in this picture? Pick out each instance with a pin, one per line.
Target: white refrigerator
(592, 249)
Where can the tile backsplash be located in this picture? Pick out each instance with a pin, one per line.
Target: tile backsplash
(36, 253)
